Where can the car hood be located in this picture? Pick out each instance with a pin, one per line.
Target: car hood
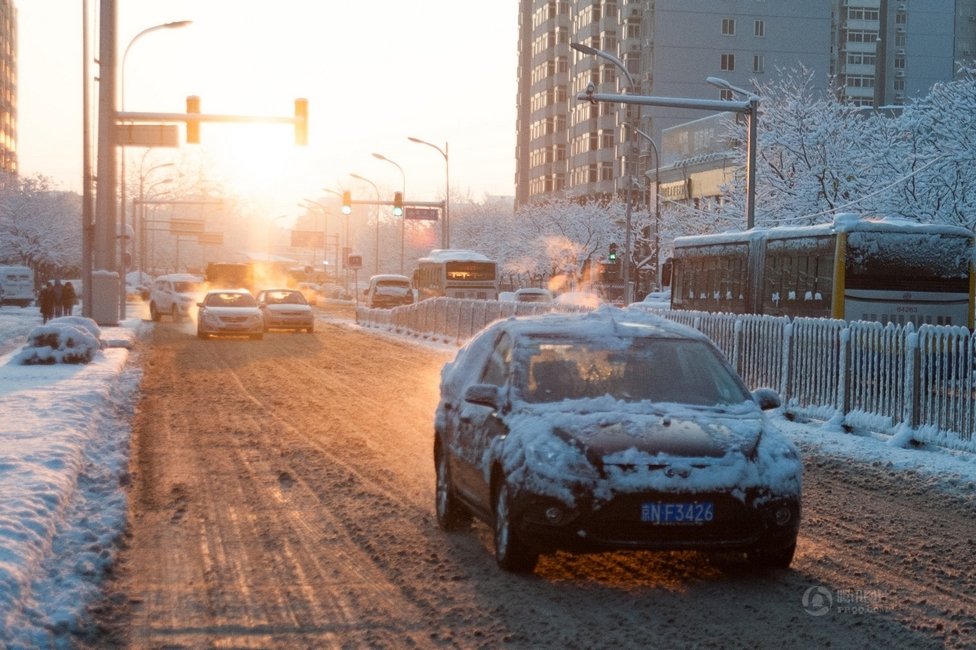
(689, 432)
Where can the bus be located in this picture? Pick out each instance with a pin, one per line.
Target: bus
(857, 268)
(16, 285)
(456, 273)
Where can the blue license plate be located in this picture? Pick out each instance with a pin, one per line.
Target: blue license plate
(697, 512)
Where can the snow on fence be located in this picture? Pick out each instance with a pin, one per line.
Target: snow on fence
(862, 375)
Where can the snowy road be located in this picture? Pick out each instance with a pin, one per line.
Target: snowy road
(282, 496)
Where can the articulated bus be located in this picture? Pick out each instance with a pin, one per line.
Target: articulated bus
(873, 269)
(456, 274)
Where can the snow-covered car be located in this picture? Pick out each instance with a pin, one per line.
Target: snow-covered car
(388, 290)
(229, 312)
(607, 430)
(533, 294)
(175, 295)
(285, 309)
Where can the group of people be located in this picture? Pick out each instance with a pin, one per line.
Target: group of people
(56, 299)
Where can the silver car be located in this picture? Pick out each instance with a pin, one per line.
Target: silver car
(285, 309)
(230, 312)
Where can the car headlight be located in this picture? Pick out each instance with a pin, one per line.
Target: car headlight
(555, 458)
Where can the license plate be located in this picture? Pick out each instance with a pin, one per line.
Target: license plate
(698, 512)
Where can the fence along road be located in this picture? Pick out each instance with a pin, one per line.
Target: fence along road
(890, 379)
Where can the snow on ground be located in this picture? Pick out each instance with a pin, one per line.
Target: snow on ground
(64, 447)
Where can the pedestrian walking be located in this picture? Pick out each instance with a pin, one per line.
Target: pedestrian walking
(45, 301)
(68, 298)
(58, 309)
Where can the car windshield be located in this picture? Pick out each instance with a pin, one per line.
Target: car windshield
(188, 287)
(229, 299)
(392, 288)
(285, 298)
(629, 369)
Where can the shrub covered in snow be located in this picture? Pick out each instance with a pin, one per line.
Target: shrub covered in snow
(69, 339)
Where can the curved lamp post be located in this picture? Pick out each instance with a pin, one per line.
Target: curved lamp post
(171, 25)
(753, 113)
(376, 251)
(446, 223)
(403, 219)
(586, 49)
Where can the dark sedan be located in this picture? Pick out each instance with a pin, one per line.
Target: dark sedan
(609, 430)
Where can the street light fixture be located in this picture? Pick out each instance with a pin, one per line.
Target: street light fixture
(446, 223)
(376, 251)
(657, 207)
(171, 25)
(141, 230)
(403, 219)
(753, 113)
(625, 264)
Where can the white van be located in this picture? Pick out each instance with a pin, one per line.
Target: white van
(16, 285)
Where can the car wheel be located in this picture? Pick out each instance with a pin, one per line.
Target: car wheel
(257, 337)
(175, 313)
(510, 553)
(153, 312)
(201, 334)
(451, 515)
(780, 558)
(309, 329)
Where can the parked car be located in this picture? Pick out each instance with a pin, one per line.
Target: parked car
(607, 430)
(285, 309)
(229, 312)
(175, 295)
(388, 290)
(533, 294)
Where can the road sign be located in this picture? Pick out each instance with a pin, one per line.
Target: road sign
(148, 135)
(354, 262)
(420, 214)
(186, 226)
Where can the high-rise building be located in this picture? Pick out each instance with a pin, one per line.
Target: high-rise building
(8, 88)
(874, 52)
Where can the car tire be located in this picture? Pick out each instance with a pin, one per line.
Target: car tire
(451, 515)
(154, 313)
(201, 334)
(175, 313)
(780, 558)
(257, 337)
(511, 554)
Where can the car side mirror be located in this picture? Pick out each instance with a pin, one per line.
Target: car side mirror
(483, 394)
(767, 398)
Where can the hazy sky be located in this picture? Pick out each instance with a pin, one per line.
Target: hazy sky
(374, 73)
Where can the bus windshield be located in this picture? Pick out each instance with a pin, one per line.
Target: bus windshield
(907, 261)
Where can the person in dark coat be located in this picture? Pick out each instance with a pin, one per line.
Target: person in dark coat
(45, 301)
(57, 297)
(68, 298)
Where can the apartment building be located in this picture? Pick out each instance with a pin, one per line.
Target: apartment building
(871, 52)
(8, 87)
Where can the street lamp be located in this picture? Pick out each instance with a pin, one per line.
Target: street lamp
(753, 113)
(657, 207)
(141, 230)
(446, 223)
(376, 251)
(309, 203)
(629, 170)
(171, 25)
(403, 219)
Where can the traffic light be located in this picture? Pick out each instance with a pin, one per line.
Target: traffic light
(346, 203)
(612, 256)
(397, 204)
(301, 122)
(192, 126)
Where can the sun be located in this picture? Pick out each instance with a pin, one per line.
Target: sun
(259, 161)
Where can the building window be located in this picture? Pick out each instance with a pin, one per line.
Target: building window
(726, 95)
(760, 28)
(758, 63)
(728, 26)
(728, 62)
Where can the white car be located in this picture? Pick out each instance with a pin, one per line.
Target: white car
(533, 294)
(175, 295)
(232, 312)
(285, 309)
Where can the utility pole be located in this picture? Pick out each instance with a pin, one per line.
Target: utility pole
(104, 308)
